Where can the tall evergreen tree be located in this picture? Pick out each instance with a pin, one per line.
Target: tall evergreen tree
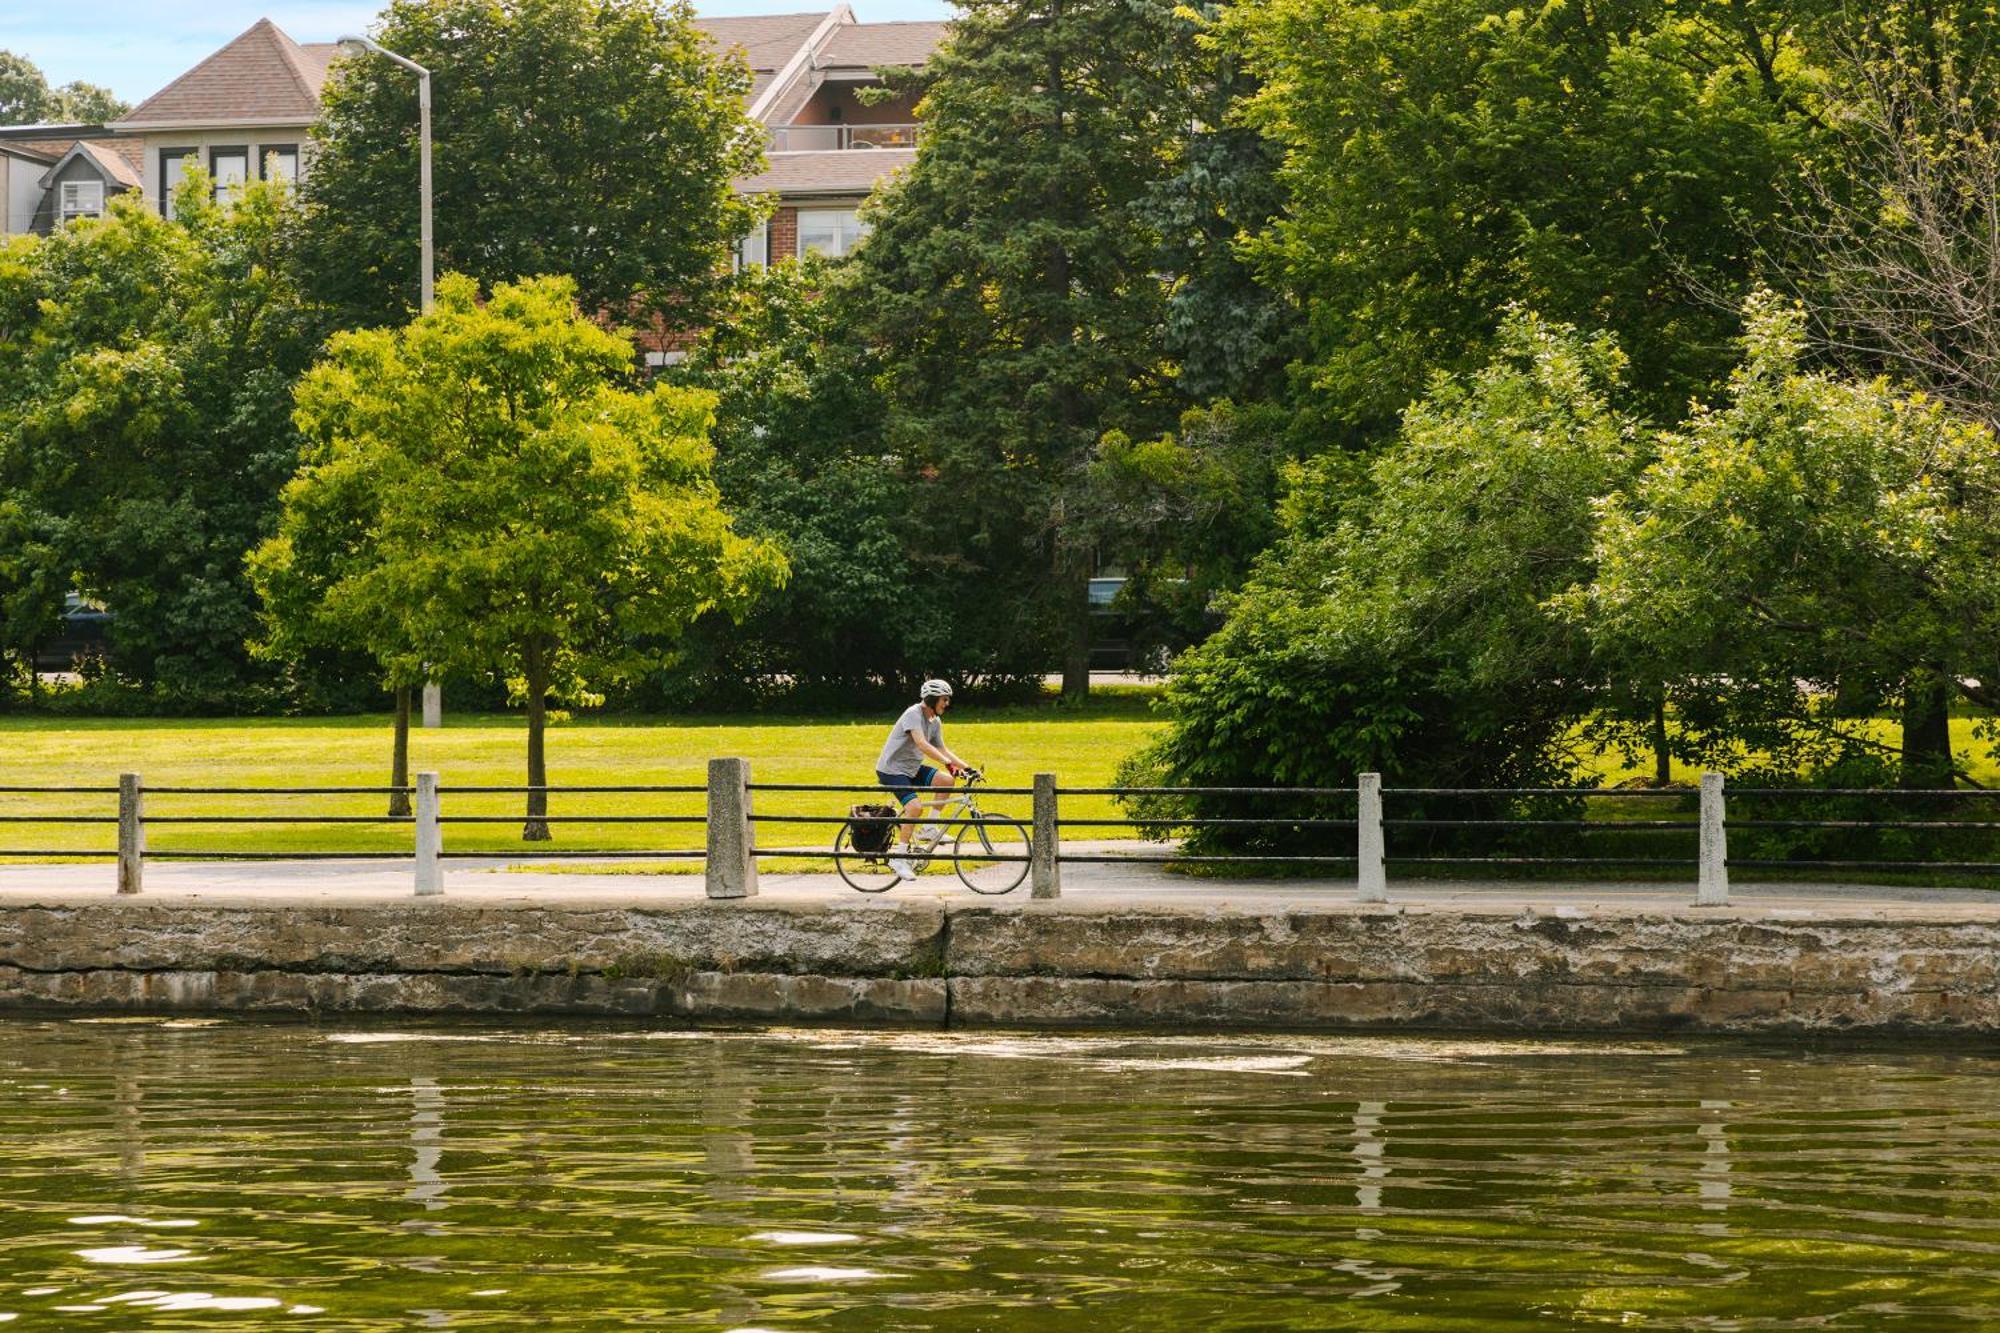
(1012, 282)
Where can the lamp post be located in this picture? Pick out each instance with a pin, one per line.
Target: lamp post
(433, 695)
(358, 45)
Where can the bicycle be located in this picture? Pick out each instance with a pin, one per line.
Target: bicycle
(989, 852)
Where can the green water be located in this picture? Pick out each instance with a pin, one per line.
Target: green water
(200, 1174)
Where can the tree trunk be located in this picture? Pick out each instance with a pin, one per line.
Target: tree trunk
(1927, 729)
(537, 827)
(1074, 572)
(1663, 762)
(399, 762)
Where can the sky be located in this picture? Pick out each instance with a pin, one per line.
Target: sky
(135, 47)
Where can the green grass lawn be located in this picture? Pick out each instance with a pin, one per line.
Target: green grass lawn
(1082, 746)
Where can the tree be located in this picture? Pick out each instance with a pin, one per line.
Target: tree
(800, 460)
(1399, 624)
(498, 505)
(1812, 542)
(1612, 164)
(1188, 514)
(145, 376)
(27, 99)
(81, 103)
(596, 138)
(1011, 286)
(1896, 244)
(1227, 334)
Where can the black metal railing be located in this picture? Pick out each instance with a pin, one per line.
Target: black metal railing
(1364, 830)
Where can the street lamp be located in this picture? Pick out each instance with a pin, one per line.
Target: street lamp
(354, 46)
(359, 45)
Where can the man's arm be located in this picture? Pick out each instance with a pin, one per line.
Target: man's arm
(951, 762)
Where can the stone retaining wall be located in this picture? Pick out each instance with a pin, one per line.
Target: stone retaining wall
(1340, 967)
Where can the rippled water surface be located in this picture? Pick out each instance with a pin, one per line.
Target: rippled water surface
(183, 1174)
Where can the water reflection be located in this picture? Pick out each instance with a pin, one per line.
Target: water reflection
(854, 1181)
(426, 1144)
(1370, 1149)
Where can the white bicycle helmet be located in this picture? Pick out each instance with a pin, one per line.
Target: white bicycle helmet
(935, 688)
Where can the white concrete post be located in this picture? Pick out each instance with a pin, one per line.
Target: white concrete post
(1043, 868)
(433, 705)
(131, 833)
(1371, 880)
(430, 838)
(1712, 889)
(732, 843)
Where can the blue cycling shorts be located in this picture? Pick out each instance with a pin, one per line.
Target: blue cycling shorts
(905, 789)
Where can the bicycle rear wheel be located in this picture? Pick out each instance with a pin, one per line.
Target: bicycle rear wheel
(867, 872)
(991, 854)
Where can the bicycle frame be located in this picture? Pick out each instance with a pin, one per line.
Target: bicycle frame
(954, 812)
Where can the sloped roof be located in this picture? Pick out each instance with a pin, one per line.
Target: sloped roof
(768, 40)
(869, 45)
(841, 171)
(39, 150)
(113, 162)
(262, 75)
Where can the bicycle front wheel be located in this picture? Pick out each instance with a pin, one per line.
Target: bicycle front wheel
(866, 871)
(991, 854)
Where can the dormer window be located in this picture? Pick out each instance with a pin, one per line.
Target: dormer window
(82, 199)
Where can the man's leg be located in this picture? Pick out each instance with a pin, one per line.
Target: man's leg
(938, 795)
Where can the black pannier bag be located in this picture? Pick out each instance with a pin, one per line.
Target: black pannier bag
(873, 828)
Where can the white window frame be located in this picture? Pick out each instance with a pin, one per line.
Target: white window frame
(848, 229)
(79, 191)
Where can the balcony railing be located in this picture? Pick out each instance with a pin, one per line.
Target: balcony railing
(831, 138)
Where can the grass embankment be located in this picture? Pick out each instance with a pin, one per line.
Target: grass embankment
(1083, 746)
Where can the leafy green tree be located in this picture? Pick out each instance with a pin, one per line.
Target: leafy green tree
(596, 138)
(24, 91)
(1011, 285)
(800, 460)
(1808, 550)
(83, 103)
(27, 99)
(1188, 513)
(1399, 623)
(145, 375)
(499, 505)
(1609, 164)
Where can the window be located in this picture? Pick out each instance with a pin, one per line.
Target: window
(280, 163)
(82, 199)
(754, 250)
(173, 170)
(829, 231)
(231, 168)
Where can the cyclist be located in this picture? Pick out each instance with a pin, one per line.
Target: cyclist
(917, 736)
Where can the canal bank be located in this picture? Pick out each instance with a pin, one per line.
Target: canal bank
(1123, 949)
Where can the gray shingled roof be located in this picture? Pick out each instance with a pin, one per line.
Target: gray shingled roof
(869, 45)
(262, 75)
(768, 40)
(847, 171)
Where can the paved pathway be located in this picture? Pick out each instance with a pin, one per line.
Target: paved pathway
(1085, 888)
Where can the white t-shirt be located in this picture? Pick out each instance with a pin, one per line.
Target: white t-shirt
(900, 754)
